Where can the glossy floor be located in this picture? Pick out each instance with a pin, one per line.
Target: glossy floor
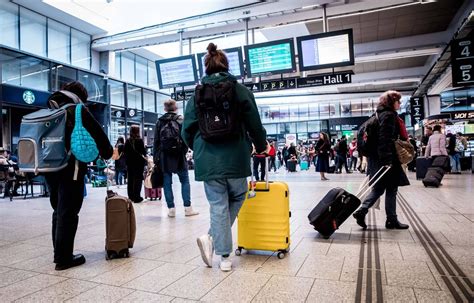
(433, 261)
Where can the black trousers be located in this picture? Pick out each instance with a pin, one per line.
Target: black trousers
(134, 185)
(259, 161)
(272, 164)
(66, 196)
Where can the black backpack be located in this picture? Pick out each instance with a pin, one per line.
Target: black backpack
(367, 137)
(218, 111)
(170, 135)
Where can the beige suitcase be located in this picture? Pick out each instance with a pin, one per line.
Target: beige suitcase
(120, 226)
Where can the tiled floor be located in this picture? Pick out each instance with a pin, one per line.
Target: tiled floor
(431, 262)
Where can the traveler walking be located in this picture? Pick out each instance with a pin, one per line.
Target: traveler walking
(323, 148)
(119, 161)
(66, 187)
(169, 153)
(341, 154)
(389, 130)
(135, 159)
(272, 155)
(353, 154)
(436, 143)
(222, 154)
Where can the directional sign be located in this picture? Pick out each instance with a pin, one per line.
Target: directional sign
(462, 61)
(253, 87)
(417, 110)
(328, 79)
(182, 95)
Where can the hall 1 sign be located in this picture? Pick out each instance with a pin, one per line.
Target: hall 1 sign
(462, 61)
(417, 110)
(328, 79)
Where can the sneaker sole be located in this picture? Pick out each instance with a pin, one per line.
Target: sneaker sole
(226, 269)
(203, 255)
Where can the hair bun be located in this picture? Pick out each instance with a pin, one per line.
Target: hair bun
(212, 49)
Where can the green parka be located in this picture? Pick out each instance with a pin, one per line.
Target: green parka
(230, 159)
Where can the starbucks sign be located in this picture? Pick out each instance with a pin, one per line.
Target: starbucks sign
(28, 97)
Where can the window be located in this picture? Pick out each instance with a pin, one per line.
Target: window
(32, 32)
(293, 112)
(62, 75)
(345, 109)
(80, 49)
(160, 100)
(149, 101)
(116, 90)
(356, 108)
(152, 76)
(314, 111)
(134, 97)
(9, 24)
(58, 41)
(94, 85)
(141, 71)
(118, 65)
(367, 108)
(11, 63)
(272, 129)
(34, 73)
(314, 126)
(128, 67)
(302, 127)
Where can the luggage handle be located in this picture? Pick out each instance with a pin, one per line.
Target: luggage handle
(252, 193)
(371, 183)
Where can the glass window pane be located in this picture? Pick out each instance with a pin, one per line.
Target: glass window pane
(134, 97)
(160, 100)
(271, 129)
(62, 75)
(34, 73)
(152, 76)
(58, 41)
(302, 127)
(303, 112)
(283, 113)
(9, 24)
(314, 111)
(314, 126)
(141, 71)
(118, 65)
(323, 110)
(11, 63)
(80, 49)
(367, 108)
(116, 90)
(345, 109)
(32, 32)
(356, 108)
(128, 67)
(149, 101)
(94, 85)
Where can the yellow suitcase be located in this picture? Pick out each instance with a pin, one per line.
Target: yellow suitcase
(264, 220)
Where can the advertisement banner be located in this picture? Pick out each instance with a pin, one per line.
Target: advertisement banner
(417, 110)
(290, 138)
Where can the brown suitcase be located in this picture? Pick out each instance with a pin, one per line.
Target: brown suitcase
(120, 226)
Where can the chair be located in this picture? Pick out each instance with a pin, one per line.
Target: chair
(6, 181)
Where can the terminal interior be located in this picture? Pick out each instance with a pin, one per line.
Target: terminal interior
(313, 66)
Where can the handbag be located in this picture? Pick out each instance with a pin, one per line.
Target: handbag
(157, 177)
(83, 146)
(405, 151)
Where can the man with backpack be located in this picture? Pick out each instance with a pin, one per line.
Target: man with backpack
(169, 153)
(341, 151)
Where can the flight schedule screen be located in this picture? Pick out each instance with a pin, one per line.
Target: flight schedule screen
(234, 63)
(176, 72)
(271, 58)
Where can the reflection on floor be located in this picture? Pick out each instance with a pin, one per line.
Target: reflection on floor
(431, 262)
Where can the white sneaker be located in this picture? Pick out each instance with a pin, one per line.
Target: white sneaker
(172, 212)
(207, 249)
(226, 264)
(189, 211)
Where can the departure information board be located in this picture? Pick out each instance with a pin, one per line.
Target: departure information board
(179, 71)
(276, 57)
(326, 50)
(462, 61)
(234, 56)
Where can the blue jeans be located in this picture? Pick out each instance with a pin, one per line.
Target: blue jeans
(119, 177)
(455, 163)
(225, 197)
(185, 188)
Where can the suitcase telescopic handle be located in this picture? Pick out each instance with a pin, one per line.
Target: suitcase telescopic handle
(373, 180)
(252, 177)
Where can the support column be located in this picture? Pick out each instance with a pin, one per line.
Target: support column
(180, 42)
(246, 31)
(190, 49)
(325, 19)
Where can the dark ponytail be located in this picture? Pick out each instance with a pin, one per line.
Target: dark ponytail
(215, 61)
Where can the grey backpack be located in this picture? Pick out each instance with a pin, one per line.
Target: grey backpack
(42, 146)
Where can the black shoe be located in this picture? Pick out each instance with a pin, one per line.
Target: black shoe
(76, 261)
(395, 224)
(360, 217)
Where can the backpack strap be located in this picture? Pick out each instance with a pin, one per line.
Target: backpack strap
(71, 96)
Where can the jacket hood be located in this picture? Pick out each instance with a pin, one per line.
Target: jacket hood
(167, 116)
(381, 108)
(218, 77)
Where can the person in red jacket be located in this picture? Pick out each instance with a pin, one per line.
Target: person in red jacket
(272, 155)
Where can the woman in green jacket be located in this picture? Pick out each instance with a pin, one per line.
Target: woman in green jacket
(224, 165)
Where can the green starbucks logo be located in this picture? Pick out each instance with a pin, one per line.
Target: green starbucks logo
(28, 97)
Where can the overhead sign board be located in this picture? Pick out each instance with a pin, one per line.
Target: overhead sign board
(462, 61)
(327, 79)
(417, 110)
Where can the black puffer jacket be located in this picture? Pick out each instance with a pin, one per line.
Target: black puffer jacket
(389, 131)
(135, 152)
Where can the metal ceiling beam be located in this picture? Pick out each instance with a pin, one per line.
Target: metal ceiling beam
(205, 28)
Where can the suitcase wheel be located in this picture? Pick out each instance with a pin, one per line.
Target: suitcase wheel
(238, 251)
(281, 255)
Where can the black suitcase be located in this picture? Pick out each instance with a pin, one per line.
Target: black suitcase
(433, 177)
(291, 166)
(441, 161)
(422, 165)
(332, 211)
(337, 206)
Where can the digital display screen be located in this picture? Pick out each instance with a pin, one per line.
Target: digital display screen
(179, 71)
(234, 56)
(468, 129)
(454, 129)
(269, 58)
(326, 50)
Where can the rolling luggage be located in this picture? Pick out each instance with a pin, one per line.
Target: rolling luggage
(153, 193)
(433, 177)
(120, 226)
(441, 161)
(291, 166)
(422, 165)
(152, 188)
(338, 205)
(304, 165)
(264, 219)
